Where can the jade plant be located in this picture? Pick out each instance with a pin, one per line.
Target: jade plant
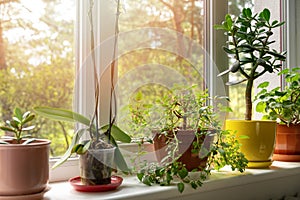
(248, 45)
(18, 125)
(181, 110)
(279, 104)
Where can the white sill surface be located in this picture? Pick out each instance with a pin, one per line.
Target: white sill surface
(281, 179)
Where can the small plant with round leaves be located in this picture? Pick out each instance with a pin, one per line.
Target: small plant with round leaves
(18, 125)
(279, 104)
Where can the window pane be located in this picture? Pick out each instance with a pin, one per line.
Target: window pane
(167, 41)
(37, 62)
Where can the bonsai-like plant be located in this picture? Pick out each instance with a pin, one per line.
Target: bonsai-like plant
(185, 109)
(18, 125)
(249, 46)
(281, 104)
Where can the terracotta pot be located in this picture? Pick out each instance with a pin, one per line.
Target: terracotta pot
(259, 146)
(287, 146)
(96, 166)
(186, 138)
(24, 169)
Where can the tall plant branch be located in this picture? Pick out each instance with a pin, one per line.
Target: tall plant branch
(113, 103)
(96, 81)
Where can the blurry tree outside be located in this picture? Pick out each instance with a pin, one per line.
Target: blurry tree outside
(37, 62)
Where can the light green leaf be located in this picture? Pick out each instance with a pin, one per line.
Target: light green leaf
(62, 115)
(68, 153)
(263, 85)
(18, 113)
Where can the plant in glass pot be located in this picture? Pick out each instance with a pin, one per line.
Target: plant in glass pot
(188, 138)
(283, 105)
(24, 168)
(99, 153)
(249, 40)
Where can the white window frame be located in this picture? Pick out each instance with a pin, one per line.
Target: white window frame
(216, 10)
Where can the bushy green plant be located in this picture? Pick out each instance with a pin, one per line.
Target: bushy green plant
(185, 108)
(249, 46)
(281, 104)
(18, 125)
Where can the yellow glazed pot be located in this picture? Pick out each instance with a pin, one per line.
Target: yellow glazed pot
(258, 146)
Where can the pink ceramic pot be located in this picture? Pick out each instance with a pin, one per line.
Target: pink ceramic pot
(24, 169)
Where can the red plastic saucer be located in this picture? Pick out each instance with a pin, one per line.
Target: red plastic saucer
(116, 181)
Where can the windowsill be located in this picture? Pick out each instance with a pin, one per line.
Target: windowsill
(281, 179)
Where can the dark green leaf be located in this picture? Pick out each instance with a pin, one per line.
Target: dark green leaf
(183, 173)
(140, 176)
(4, 128)
(180, 187)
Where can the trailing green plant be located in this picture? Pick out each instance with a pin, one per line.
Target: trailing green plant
(249, 40)
(283, 104)
(18, 125)
(184, 109)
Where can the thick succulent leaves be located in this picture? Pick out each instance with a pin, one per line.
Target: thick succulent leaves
(235, 82)
(62, 115)
(68, 153)
(28, 141)
(117, 134)
(18, 113)
(4, 128)
(223, 73)
(3, 142)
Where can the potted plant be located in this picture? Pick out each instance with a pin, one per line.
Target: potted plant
(188, 137)
(283, 105)
(249, 40)
(24, 168)
(99, 154)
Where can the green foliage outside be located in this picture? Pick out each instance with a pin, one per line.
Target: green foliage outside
(37, 68)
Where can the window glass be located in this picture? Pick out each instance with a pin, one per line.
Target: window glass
(37, 63)
(235, 8)
(166, 49)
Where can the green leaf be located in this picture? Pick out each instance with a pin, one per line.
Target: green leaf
(28, 128)
(28, 119)
(118, 157)
(140, 176)
(267, 14)
(118, 134)
(62, 115)
(3, 142)
(28, 141)
(4, 128)
(180, 187)
(229, 21)
(263, 85)
(183, 173)
(75, 140)
(18, 113)
(219, 27)
(146, 180)
(260, 107)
